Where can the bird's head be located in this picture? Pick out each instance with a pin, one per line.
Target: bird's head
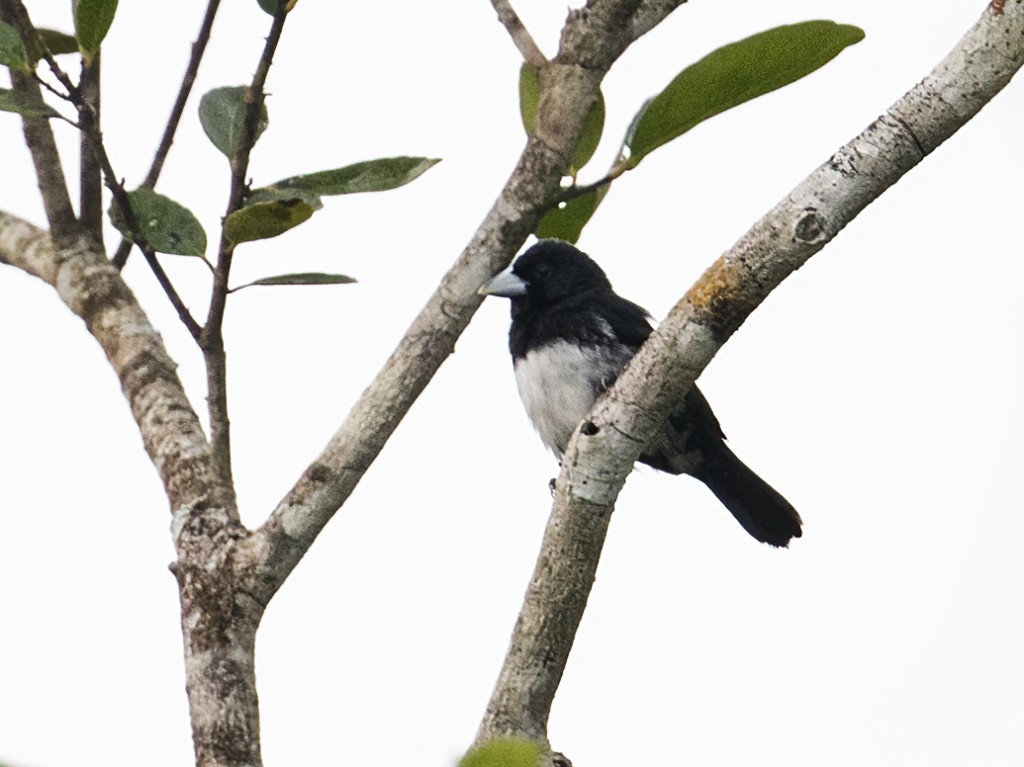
(547, 273)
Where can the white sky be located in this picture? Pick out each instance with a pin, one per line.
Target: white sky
(878, 389)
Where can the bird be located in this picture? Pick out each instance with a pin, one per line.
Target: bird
(572, 335)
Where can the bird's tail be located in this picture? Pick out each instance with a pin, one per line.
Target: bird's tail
(762, 511)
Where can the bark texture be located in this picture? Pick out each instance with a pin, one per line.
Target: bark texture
(599, 457)
(227, 574)
(219, 619)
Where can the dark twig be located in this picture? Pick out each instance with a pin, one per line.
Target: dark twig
(532, 54)
(95, 145)
(187, 81)
(90, 205)
(91, 133)
(212, 340)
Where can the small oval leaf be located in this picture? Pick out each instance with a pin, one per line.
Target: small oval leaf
(529, 98)
(57, 43)
(301, 278)
(167, 226)
(369, 176)
(12, 49)
(25, 104)
(734, 74)
(222, 115)
(263, 220)
(92, 22)
(566, 222)
(507, 752)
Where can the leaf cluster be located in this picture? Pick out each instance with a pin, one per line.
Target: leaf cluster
(165, 225)
(725, 78)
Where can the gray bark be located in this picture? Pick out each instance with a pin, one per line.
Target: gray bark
(599, 458)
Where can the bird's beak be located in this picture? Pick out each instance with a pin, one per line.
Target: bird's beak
(505, 284)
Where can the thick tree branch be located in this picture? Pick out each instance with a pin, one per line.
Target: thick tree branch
(600, 457)
(591, 41)
(218, 618)
(93, 290)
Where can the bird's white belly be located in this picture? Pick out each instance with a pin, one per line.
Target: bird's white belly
(558, 384)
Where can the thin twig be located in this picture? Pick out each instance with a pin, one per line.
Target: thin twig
(187, 81)
(91, 131)
(520, 35)
(212, 340)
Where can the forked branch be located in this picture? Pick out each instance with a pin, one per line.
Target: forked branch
(600, 457)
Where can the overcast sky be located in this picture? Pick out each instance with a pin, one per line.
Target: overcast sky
(879, 389)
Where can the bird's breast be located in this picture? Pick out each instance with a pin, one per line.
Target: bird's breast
(559, 383)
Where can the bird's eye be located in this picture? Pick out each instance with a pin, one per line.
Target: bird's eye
(543, 269)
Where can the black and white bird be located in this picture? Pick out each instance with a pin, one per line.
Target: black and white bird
(572, 335)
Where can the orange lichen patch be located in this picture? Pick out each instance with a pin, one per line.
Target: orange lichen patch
(718, 293)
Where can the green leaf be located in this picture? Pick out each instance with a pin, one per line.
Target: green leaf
(25, 104)
(12, 49)
(510, 752)
(263, 220)
(167, 226)
(529, 95)
(57, 42)
(592, 130)
(369, 176)
(301, 278)
(272, 6)
(566, 221)
(733, 74)
(272, 193)
(529, 98)
(92, 22)
(222, 114)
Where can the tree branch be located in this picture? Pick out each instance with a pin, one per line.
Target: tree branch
(218, 619)
(596, 463)
(519, 33)
(53, 186)
(90, 176)
(164, 148)
(569, 86)
(93, 290)
(212, 338)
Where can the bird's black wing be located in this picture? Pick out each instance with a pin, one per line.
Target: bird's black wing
(590, 318)
(622, 321)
